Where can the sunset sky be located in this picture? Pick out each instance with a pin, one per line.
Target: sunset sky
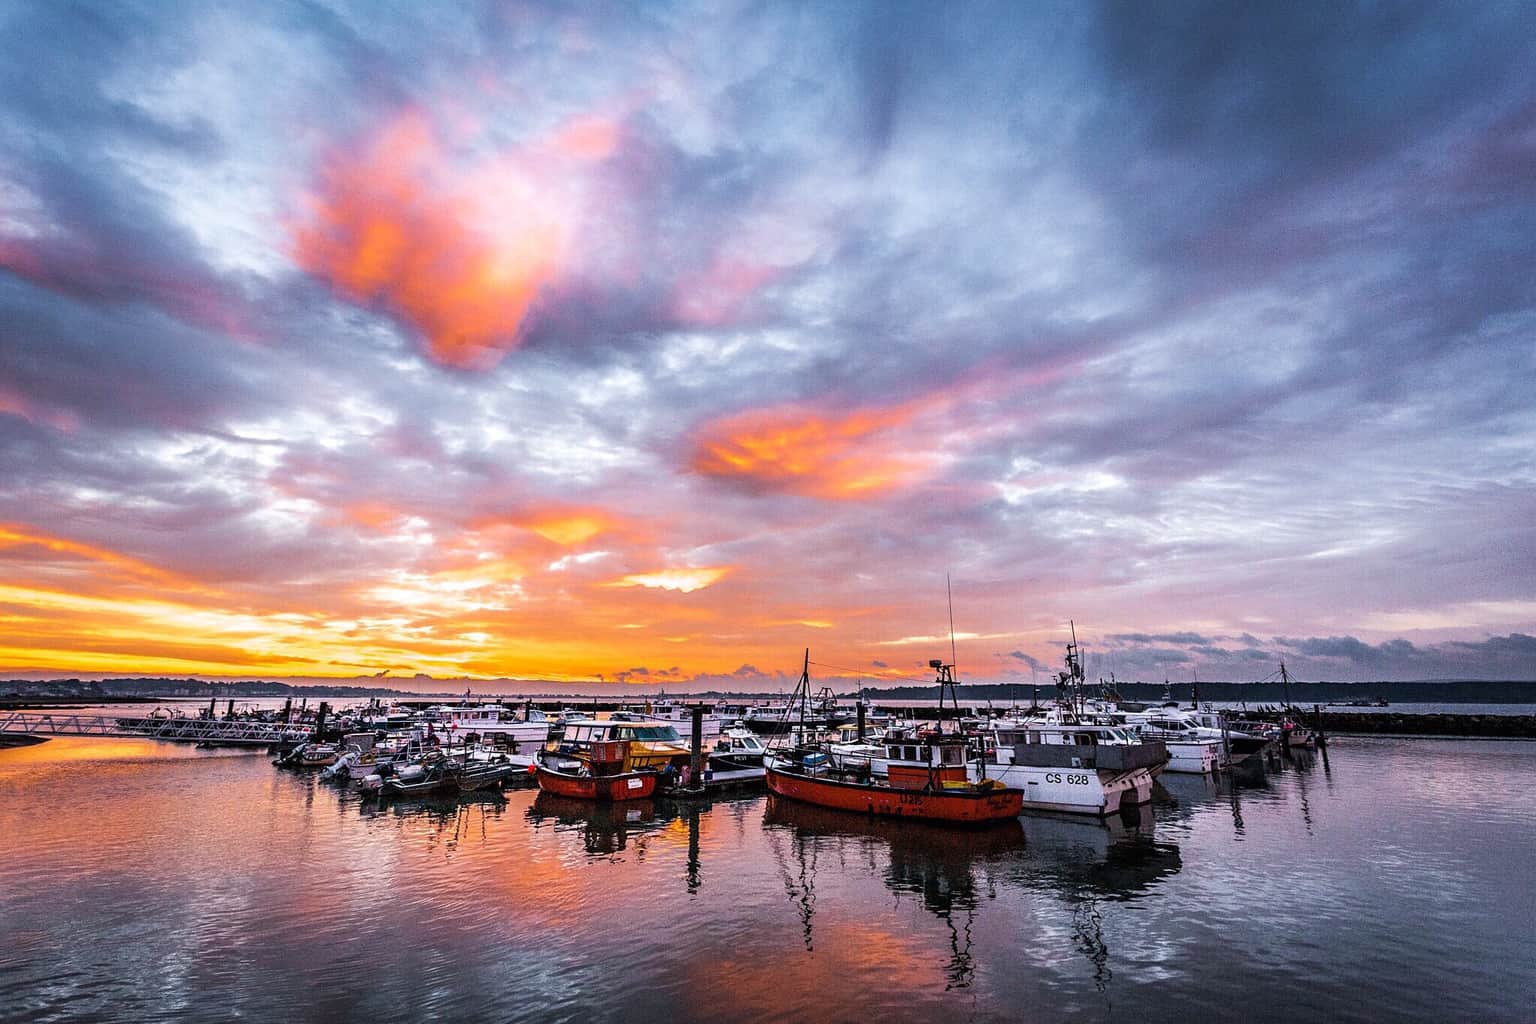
(659, 342)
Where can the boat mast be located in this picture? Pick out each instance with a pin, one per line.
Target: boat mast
(950, 597)
(946, 681)
(1073, 677)
(804, 689)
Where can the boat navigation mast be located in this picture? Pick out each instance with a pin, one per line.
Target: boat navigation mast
(1072, 680)
(947, 685)
(946, 673)
(803, 688)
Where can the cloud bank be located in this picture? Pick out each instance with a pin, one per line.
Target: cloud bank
(652, 342)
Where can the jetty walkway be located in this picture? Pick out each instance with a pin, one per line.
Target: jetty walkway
(182, 730)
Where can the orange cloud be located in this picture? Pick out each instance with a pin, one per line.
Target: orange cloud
(801, 451)
(559, 524)
(569, 528)
(373, 514)
(13, 537)
(458, 251)
(684, 580)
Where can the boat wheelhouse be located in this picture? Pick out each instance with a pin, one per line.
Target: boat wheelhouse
(607, 773)
(653, 744)
(740, 745)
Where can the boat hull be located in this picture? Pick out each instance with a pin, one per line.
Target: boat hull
(608, 788)
(957, 806)
(1194, 758)
(1099, 792)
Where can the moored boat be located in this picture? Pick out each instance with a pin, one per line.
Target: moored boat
(739, 745)
(941, 793)
(652, 744)
(487, 722)
(441, 773)
(933, 785)
(1075, 769)
(308, 755)
(606, 773)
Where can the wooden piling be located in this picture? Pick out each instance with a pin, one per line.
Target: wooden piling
(696, 775)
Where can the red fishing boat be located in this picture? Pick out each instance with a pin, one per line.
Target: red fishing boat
(933, 785)
(603, 774)
(937, 791)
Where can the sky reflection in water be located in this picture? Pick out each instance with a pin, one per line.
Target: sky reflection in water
(147, 882)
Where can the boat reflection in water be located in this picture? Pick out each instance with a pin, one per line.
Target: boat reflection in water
(605, 828)
(1292, 777)
(937, 864)
(1117, 859)
(1088, 864)
(443, 821)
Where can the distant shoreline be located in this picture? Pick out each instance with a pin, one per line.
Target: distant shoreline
(62, 692)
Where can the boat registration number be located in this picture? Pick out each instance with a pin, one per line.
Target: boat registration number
(1070, 778)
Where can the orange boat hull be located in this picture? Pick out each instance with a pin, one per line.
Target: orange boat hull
(628, 786)
(945, 805)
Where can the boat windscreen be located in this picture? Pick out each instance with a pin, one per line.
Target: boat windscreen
(653, 733)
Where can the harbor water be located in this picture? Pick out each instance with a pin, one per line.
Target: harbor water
(145, 881)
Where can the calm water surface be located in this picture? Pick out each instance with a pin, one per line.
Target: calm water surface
(145, 881)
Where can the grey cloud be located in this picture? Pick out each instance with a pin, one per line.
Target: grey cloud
(1512, 656)
(1159, 638)
(1028, 660)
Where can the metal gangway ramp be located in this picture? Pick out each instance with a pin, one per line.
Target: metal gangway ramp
(181, 730)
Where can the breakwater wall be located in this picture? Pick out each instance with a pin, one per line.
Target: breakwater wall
(1388, 723)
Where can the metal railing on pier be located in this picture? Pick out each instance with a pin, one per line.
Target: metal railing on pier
(183, 730)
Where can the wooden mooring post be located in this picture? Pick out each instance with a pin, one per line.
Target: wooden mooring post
(696, 765)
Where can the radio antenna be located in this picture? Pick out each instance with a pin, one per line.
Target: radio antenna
(951, 597)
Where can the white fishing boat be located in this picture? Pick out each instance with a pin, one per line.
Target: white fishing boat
(1200, 734)
(1191, 748)
(1074, 769)
(856, 756)
(491, 721)
(848, 752)
(739, 744)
